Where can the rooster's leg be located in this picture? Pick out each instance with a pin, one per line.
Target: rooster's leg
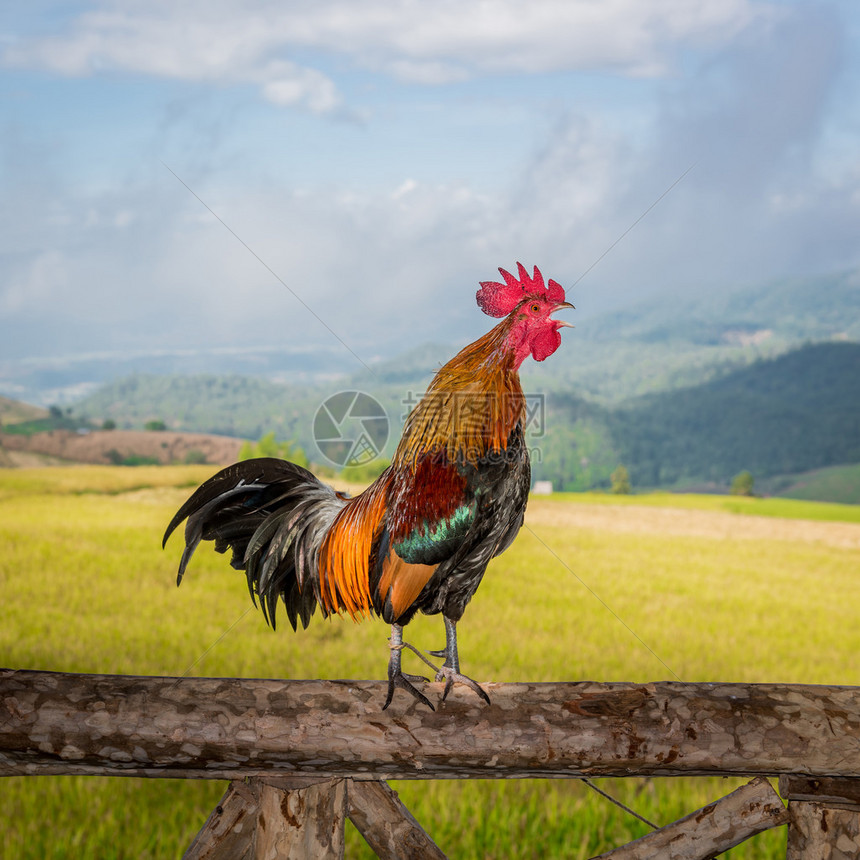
(396, 678)
(450, 670)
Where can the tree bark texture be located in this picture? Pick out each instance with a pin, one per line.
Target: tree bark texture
(301, 822)
(824, 818)
(387, 825)
(712, 829)
(292, 818)
(226, 728)
(229, 832)
(818, 832)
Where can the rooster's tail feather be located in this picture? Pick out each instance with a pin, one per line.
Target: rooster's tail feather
(274, 516)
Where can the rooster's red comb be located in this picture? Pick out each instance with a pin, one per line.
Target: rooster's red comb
(498, 300)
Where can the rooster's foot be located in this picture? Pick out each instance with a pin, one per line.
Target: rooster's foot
(451, 677)
(396, 677)
(450, 670)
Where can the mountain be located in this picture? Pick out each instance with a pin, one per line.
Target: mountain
(16, 412)
(795, 413)
(679, 341)
(242, 406)
(682, 390)
(68, 379)
(822, 307)
(660, 343)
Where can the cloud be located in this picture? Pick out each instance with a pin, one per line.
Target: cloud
(755, 123)
(426, 42)
(144, 265)
(191, 42)
(288, 85)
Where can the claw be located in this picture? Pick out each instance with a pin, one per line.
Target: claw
(396, 677)
(450, 669)
(451, 677)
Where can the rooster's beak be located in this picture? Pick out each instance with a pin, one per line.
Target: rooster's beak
(560, 307)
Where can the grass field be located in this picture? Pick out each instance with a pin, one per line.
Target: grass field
(718, 590)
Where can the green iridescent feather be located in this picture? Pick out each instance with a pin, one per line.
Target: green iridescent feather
(430, 543)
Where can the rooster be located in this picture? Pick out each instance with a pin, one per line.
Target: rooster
(420, 537)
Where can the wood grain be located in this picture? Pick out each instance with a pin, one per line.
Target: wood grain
(55, 723)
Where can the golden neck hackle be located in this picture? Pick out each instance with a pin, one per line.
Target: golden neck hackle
(470, 407)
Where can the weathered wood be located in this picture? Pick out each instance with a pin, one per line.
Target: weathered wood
(824, 818)
(830, 792)
(228, 833)
(387, 825)
(818, 832)
(228, 728)
(301, 823)
(712, 829)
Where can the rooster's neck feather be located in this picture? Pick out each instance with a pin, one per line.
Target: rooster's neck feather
(470, 407)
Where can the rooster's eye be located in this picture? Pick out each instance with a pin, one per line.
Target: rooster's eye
(535, 308)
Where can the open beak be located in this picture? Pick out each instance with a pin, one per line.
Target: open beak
(560, 307)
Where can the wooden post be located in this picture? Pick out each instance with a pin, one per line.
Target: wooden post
(298, 821)
(387, 825)
(711, 830)
(261, 819)
(228, 833)
(824, 818)
(217, 728)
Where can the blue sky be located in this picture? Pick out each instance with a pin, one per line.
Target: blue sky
(383, 157)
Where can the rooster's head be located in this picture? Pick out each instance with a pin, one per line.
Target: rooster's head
(529, 304)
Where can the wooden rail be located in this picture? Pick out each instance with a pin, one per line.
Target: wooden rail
(304, 755)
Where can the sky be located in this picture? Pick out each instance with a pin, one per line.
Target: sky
(338, 175)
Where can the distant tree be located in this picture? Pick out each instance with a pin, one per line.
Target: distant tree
(620, 479)
(268, 446)
(195, 457)
(139, 460)
(155, 424)
(55, 411)
(742, 484)
(109, 424)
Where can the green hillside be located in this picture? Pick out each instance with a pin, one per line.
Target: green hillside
(781, 416)
(790, 414)
(834, 483)
(243, 406)
(682, 390)
(15, 412)
(671, 341)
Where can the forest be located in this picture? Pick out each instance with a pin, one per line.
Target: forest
(776, 416)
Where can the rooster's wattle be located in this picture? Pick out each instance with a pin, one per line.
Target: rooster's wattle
(420, 537)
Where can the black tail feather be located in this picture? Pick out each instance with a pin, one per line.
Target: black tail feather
(273, 515)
